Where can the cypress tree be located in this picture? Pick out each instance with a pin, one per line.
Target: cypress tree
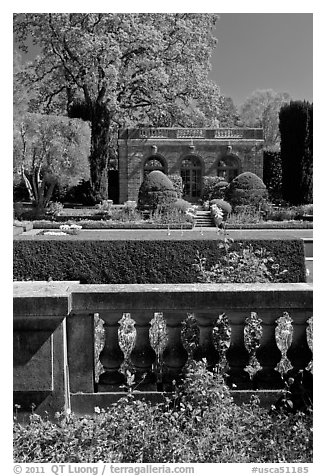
(272, 176)
(296, 151)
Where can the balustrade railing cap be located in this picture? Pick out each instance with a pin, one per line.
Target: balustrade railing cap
(42, 288)
(181, 297)
(188, 132)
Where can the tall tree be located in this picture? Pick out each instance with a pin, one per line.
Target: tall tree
(49, 150)
(228, 114)
(296, 151)
(261, 109)
(119, 70)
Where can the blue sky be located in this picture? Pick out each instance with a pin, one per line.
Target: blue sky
(264, 51)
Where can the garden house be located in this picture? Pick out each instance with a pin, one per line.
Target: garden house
(190, 153)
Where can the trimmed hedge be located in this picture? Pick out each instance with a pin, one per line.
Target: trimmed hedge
(272, 225)
(110, 225)
(123, 262)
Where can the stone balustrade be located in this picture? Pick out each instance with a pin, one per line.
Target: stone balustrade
(259, 333)
(192, 133)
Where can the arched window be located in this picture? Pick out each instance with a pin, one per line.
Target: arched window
(154, 163)
(228, 168)
(191, 173)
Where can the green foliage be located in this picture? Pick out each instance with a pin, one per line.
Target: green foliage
(228, 115)
(54, 209)
(131, 68)
(177, 184)
(158, 261)
(273, 174)
(246, 189)
(182, 205)
(244, 214)
(49, 150)
(122, 221)
(296, 129)
(213, 187)
(223, 205)
(289, 213)
(171, 216)
(156, 192)
(199, 423)
(245, 265)
(80, 193)
(261, 109)
(262, 225)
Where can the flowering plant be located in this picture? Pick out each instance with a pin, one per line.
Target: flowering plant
(69, 229)
(217, 214)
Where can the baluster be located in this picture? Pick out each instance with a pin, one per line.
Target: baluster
(299, 352)
(111, 356)
(206, 348)
(268, 356)
(158, 339)
(175, 355)
(143, 355)
(222, 339)
(253, 332)
(284, 334)
(309, 333)
(237, 355)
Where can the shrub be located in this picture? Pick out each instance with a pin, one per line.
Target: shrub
(81, 193)
(134, 261)
(244, 214)
(246, 189)
(223, 205)
(54, 209)
(177, 183)
(246, 265)
(105, 208)
(18, 210)
(289, 213)
(171, 216)
(156, 191)
(182, 205)
(213, 187)
(199, 423)
(20, 192)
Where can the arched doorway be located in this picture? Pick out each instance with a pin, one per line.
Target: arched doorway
(154, 163)
(191, 173)
(228, 167)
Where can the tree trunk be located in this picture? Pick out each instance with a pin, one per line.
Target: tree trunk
(99, 154)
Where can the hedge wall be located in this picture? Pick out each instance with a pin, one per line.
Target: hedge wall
(135, 261)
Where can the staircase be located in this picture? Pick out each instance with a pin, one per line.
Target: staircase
(203, 219)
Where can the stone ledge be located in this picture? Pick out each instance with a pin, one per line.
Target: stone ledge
(191, 297)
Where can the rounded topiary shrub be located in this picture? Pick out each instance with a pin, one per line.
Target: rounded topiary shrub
(156, 192)
(246, 189)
